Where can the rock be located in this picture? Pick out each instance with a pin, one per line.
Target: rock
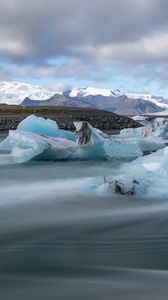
(83, 134)
(65, 117)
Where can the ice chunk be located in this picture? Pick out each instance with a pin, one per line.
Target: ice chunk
(164, 161)
(26, 146)
(143, 120)
(146, 176)
(90, 142)
(41, 139)
(135, 181)
(158, 128)
(5, 144)
(121, 149)
(45, 127)
(87, 134)
(83, 133)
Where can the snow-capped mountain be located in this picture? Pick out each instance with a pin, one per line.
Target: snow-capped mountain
(120, 105)
(16, 92)
(160, 101)
(107, 99)
(90, 91)
(159, 114)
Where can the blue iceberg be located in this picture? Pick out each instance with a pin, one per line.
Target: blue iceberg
(44, 127)
(40, 138)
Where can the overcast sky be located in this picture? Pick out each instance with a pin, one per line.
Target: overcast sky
(109, 43)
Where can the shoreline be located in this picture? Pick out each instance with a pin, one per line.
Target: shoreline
(103, 120)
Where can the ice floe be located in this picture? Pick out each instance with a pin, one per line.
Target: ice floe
(146, 148)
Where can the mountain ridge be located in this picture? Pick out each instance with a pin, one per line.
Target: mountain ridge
(90, 97)
(120, 105)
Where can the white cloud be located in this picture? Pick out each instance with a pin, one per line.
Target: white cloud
(149, 49)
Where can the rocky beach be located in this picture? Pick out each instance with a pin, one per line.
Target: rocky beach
(11, 116)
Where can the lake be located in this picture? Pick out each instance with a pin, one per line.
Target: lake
(59, 241)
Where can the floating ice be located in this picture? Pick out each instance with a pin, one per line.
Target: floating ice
(157, 128)
(143, 120)
(26, 145)
(45, 127)
(90, 142)
(121, 149)
(146, 176)
(86, 134)
(38, 138)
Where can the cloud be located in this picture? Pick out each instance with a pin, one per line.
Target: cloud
(35, 31)
(4, 74)
(77, 70)
(152, 49)
(84, 40)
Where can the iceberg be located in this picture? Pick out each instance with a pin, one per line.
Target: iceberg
(26, 146)
(157, 128)
(44, 127)
(143, 120)
(146, 176)
(39, 138)
(36, 136)
(122, 149)
(90, 142)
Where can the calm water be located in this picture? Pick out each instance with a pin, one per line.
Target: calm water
(58, 241)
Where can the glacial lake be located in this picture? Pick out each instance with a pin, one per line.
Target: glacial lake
(59, 242)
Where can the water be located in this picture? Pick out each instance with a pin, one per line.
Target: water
(58, 242)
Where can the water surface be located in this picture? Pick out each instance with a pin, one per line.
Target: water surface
(59, 242)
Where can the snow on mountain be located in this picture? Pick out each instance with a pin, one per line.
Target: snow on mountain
(159, 101)
(160, 113)
(90, 91)
(15, 92)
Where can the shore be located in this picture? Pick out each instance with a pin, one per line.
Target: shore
(11, 116)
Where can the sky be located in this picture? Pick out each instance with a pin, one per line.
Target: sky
(117, 44)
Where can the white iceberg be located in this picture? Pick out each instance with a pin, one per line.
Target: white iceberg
(98, 144)
(157, 128)
(143, 120)
(26, 146)
(146, 176)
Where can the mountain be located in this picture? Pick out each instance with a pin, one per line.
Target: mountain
(163, 113)
(159, 101)
(15, 92)
(90, 91)
(56, 100)
(120, 105)
(89, 97)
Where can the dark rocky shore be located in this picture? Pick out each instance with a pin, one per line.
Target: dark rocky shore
(11, 116)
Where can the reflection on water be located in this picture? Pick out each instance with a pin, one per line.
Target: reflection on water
(57, 243)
